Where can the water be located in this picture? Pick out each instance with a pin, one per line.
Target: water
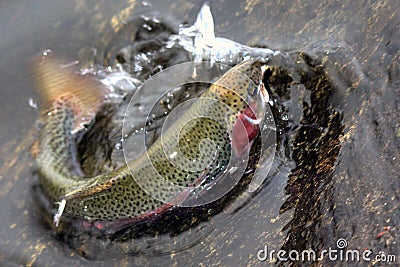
(356, 43)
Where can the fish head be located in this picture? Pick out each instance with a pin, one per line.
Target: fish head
(241, 89)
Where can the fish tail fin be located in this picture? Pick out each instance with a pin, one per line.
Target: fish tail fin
(58, 82)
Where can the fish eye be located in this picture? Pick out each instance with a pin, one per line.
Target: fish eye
(266, 75)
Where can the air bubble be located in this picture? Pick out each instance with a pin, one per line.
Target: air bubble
(147, 27)
(118, 146)
(146, 4)
(32, 103)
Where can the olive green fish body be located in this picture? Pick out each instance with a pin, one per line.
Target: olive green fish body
(117, 195)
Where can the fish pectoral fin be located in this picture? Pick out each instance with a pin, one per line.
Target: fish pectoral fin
(90, 189)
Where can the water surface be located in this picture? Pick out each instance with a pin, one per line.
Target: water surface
(356, 43)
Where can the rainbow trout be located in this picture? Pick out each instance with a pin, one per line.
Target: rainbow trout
(138, 189)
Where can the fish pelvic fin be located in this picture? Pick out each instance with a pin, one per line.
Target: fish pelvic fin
(90, 189)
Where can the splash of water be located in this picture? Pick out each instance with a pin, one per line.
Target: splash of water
(199, 39)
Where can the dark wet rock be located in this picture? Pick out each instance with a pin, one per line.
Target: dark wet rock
(345, 183)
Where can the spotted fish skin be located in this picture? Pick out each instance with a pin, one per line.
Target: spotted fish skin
(117, 195)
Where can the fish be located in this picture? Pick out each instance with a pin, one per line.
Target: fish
(71, 101)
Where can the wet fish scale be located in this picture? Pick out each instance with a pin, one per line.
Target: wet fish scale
(117, 195)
